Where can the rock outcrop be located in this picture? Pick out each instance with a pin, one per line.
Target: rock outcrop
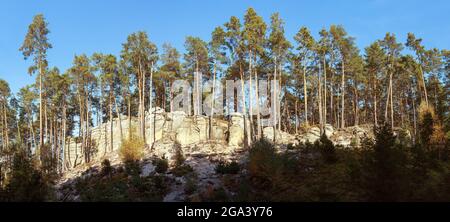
(164, 129)
(236, 130)
(202, 147)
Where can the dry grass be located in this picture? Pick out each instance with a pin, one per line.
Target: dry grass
(132, 149)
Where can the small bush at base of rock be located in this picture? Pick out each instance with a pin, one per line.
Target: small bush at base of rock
(228, 168)
(132, 149)
(212, 194)
(161, 165)
(106, 167)
(182, 170)
(191, 184)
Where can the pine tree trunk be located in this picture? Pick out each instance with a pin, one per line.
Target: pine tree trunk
(45, 123)
(171, 96)
(387, 103)
(140, 105)
(305, 94)
(88, 131)
(111, 120)
(6, 124)
(375, 113)
(343, 95)
(41, 137)
(392, 103)
(129, 116)
(64, 136)
(296, 117)
(212, 103)
(325, 91)
(319, 101)
(250, 101)
(274, 105)
(258, 116)
(150, 105)
(119, 116)
(278, 98)
(246, 123)
(423, 84)
(356, 105)
(143, 107)
(3, 128)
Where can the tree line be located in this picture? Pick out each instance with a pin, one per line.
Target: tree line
(323, 80)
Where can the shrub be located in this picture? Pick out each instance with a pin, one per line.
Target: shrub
(180, 167)
(132, 148)
(191, 184)
(178, 157)
(291, 146)
(212, 194)
(262, 159)
(27, 183)
(122, 188)
(132, 168)
(161, 165)
(327, 149)
(267, 168)
(385, 177)
(182, 170)
(106, 167)
(228, 168)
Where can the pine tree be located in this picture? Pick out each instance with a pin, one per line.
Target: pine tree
(36, 45)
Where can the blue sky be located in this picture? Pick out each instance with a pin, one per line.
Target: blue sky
(82, 26)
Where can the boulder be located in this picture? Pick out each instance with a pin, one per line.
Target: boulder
(176, 118)
(282, 137)
(312, 134)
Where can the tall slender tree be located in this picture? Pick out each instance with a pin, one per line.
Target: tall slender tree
(36, 45)
(306, 46)
(254, 39)
(140, 54)
(195, 66)
(279, 49)
(392, 50)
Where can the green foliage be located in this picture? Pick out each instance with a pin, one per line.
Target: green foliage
(161, 165)
(178, 156)
(132, 168)
(27, 183)
(191, 184)
(212, 194)
(180, 168)
(385, 178)
(270, 173)
(106, 167)
(121, 187)
(426, 128)
(36, 43)
(327, 149)
(228, 168)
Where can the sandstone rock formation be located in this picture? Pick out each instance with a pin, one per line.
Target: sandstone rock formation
(236, 130)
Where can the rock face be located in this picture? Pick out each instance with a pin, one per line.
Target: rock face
(236, 130)
(161, 128)
(193, 133)
(313, 133)
(347, 137)
(281, 137)
(352, 136)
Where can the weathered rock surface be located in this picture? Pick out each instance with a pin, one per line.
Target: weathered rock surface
(236, 130)
(203, 148)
